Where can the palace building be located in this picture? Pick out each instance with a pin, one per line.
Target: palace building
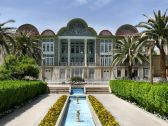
(77, 50)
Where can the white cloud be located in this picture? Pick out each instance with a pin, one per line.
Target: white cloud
(93, 3)
(81, 2)
(101, 3)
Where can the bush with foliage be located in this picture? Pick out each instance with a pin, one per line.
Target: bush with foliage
(51, 117)
(104, 116)
(18, 68)
(153, 98)
(77, 79)
(14, 93)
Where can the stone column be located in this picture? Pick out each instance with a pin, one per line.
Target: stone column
(85, 52)
(57, 74)
(84, 74)
(69, 52)
(95, 53)
(66, 72)
(53, 77)
(59, 52)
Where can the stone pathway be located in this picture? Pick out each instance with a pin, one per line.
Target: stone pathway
(127, 114)
(31, 114)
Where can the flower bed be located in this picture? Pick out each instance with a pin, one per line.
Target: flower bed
(153, 98)
(51, 117)
(15, 93)
(104, 116)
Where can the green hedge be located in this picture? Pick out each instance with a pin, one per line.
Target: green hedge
(15, 93)
(51, 117)
(104, 116)
(153, 98)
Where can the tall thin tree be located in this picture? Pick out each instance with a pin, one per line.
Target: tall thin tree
(157, 28)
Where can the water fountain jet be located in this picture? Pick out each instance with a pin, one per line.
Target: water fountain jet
(78, 116)
(77, 100)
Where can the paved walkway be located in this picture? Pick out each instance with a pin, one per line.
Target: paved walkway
(127, 114)
(31, 114)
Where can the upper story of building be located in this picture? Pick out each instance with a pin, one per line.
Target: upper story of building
(77, 44)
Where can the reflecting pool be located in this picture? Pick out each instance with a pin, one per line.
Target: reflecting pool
(80, 105)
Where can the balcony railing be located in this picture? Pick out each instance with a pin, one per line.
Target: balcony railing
(63, 64)
(91, 64)
(76, 64)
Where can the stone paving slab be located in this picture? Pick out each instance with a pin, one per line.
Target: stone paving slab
(128, 114)
(31, 114)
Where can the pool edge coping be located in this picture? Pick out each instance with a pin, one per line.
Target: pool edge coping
(61, 116)
(94, 115)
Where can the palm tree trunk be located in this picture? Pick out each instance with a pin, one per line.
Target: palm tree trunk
(162, 65)
(130, 72)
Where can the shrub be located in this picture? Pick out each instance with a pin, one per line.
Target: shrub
(14, 93)
(153, 98)
(104, 116)
(77, 79)
(51, 117)
(18, 68)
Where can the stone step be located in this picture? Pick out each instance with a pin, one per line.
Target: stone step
(55, 88)
(88, 89)
(97, 90)
(58, 90)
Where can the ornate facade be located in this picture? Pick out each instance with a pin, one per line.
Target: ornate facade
(77, 50)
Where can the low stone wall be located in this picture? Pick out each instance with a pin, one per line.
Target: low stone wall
(94, 115)
(61, 116)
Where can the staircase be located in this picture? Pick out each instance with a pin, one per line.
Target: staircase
(58, 89)
(97, 90)
(88, 89)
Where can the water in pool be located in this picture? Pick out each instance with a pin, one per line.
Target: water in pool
(77, 91)
(70, 118)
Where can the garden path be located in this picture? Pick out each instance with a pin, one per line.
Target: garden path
(30, 114)
(128, 114)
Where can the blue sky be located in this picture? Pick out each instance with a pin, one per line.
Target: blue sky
(99, 14)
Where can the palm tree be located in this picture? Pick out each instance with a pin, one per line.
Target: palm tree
(6, 39)
(129, 53)
(27, 45)
(157, 28)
